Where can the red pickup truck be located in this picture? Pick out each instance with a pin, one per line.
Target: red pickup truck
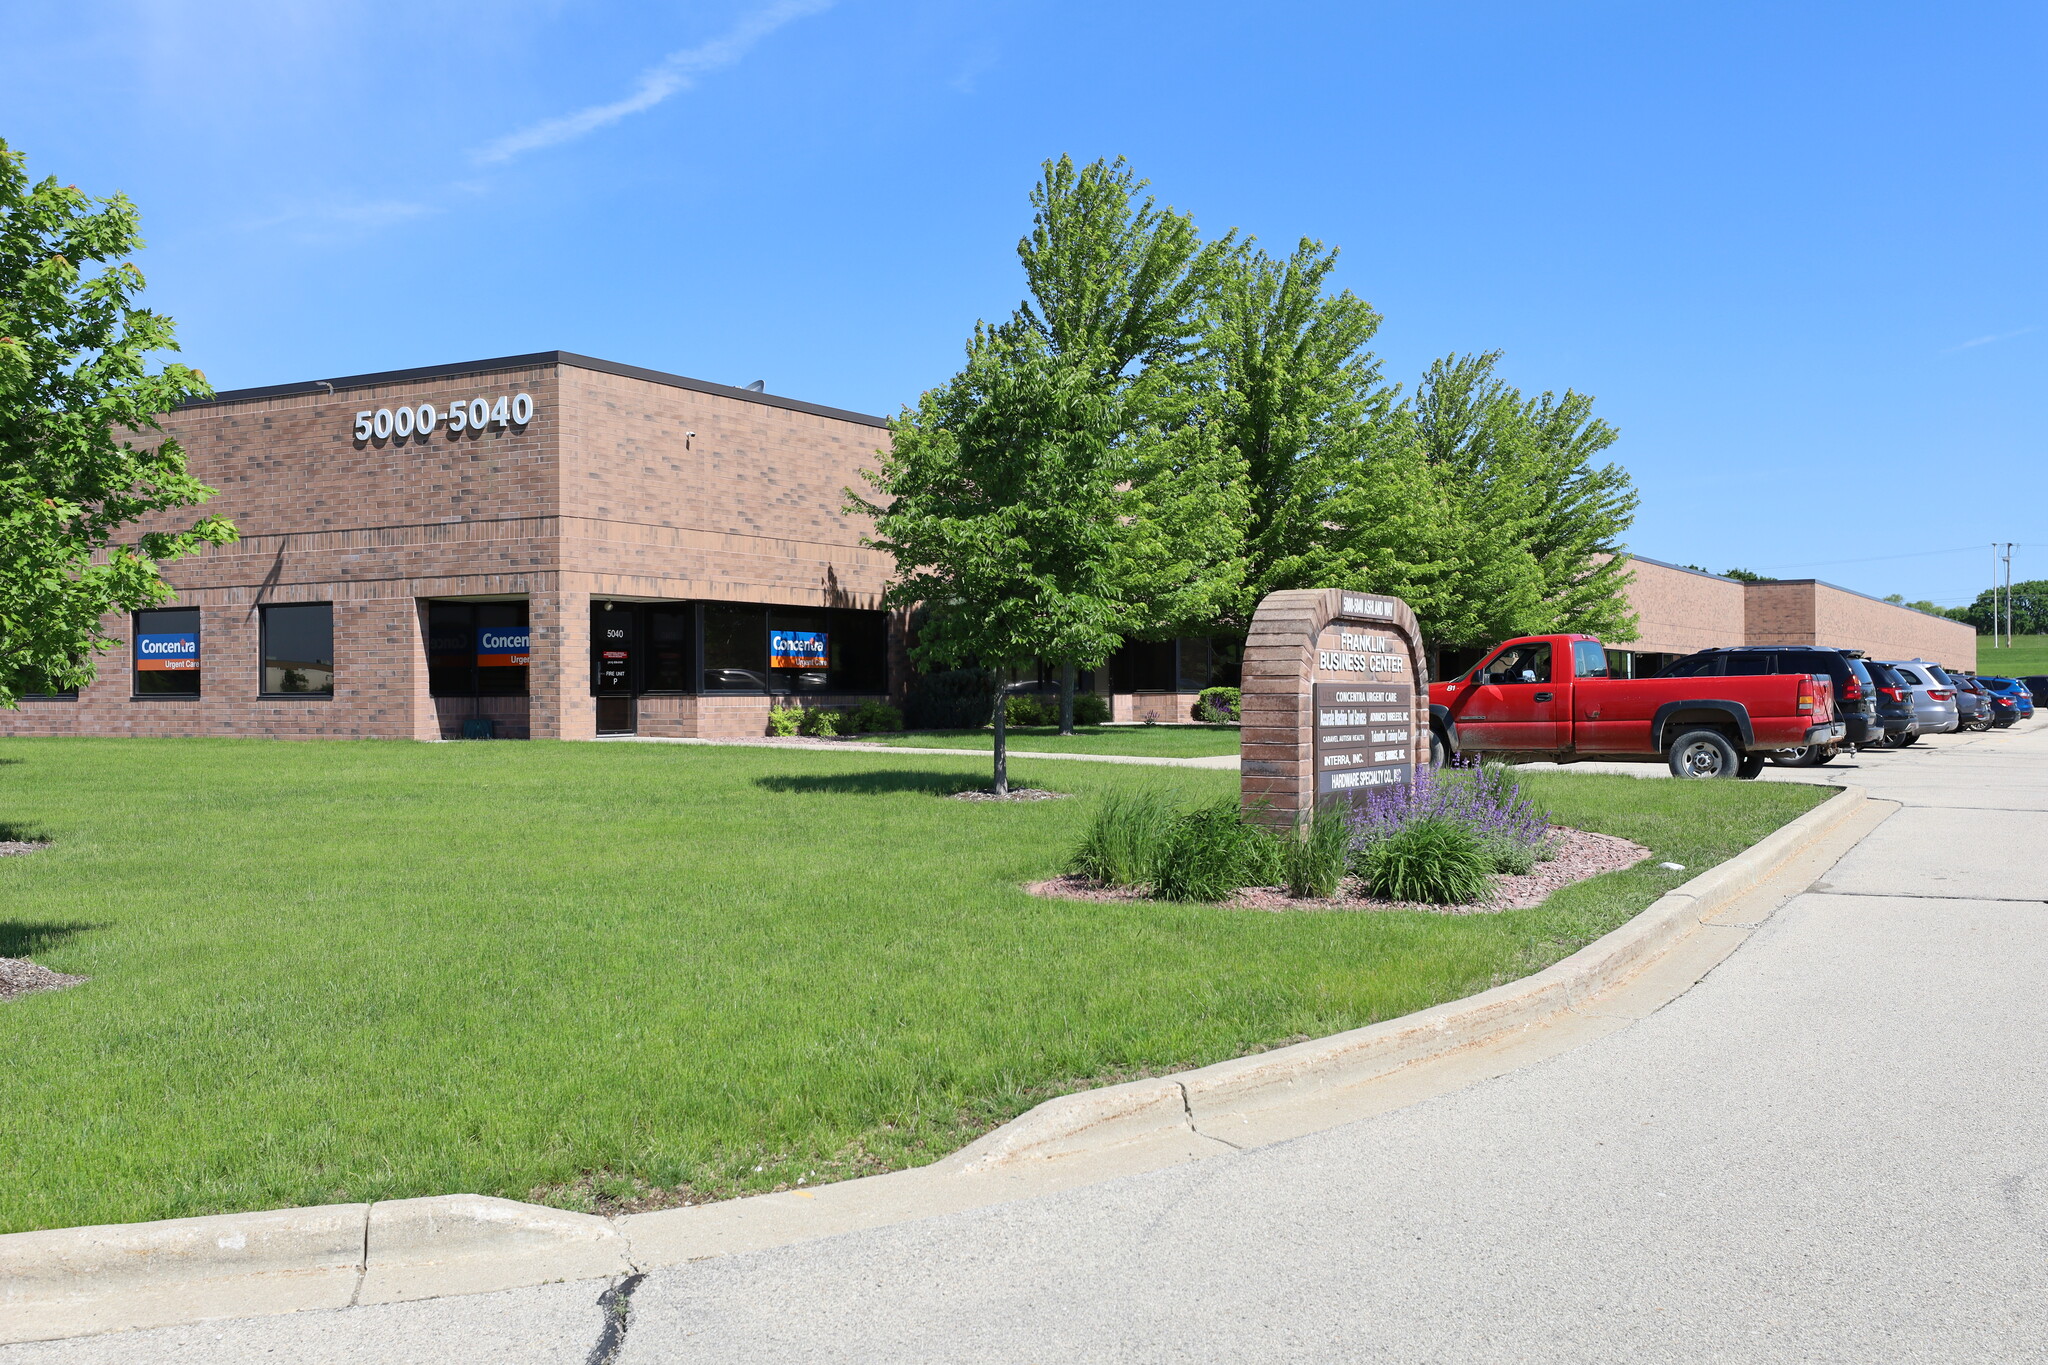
(1549, 697)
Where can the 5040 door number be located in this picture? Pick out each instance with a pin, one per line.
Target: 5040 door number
(475, 415)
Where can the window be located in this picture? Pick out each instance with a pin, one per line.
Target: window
(1698, 666)
(1751, 665)
(167, 653)
(1589, 659)
(298, 650)
(1911, 678)
(478, 649)
(735, 648)
(671, 648)
(800, 648)
(1144, 666)
(1519, 664)
(1940, 676)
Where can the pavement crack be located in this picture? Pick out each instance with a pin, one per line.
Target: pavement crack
(1189, 1111)
(1931, 896)
(617, 1304)
(363, 1264)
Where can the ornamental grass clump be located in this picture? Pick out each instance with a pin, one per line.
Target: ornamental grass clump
(1434, 859)
(1312, 862)
(1210, 851)
(1122, 842)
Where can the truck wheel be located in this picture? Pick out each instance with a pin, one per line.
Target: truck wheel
(1751, 767)
(1703, 753)
(1805, 756)
(1438, 754)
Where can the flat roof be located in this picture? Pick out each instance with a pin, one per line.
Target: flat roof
(1816, 582)
(523, 362)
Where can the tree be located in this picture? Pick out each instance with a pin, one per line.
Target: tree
(1747, 576)
(2029, 608)
(1117, 292)
(74, 351)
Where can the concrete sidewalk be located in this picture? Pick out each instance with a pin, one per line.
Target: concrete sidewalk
(1224, 761)
(1832, 1148)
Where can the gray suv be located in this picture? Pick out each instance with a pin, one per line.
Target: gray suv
(1934, 696)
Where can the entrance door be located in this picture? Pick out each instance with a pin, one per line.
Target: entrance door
(616, 716)
(613, 679)
(1510, 703)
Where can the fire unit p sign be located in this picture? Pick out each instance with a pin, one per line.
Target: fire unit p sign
(1335, 699)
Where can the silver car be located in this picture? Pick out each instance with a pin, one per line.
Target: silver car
(1934, 696)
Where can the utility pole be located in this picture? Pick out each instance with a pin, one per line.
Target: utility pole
(1994, 594)
(2008, 594)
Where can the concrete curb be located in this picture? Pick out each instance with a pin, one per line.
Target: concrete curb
(78, 1281)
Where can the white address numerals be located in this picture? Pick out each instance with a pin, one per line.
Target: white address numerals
(478, 414)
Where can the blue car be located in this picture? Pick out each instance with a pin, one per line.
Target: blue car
(2011, 699)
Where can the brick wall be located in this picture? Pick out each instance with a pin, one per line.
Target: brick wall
(1679, 611)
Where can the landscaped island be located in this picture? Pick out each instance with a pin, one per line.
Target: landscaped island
(592, 973)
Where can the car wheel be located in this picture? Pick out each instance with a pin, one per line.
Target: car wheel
(1751, 767)
(1805, 756)
(1977, 725)
(1903, 740)
(1703, 753)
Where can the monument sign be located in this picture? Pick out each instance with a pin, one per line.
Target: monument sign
(1336, 699)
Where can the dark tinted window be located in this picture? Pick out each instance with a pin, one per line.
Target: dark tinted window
(800, 649)
(298, 650)
(167, 653)
(860, 651)
(735, 648)
(671, 649)
(1940, 676)
(1751, 665)
(1698, 666)
(478, 649)
(614, 648)
(1145, 666)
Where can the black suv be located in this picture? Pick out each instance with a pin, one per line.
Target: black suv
(1855, 693)
(1894, 707)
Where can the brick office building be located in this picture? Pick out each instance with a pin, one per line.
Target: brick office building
(557, 545)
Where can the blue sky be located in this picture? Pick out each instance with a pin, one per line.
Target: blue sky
(1794, 249)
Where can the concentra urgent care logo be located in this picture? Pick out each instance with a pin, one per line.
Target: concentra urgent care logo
(167, 653)
(503, 647)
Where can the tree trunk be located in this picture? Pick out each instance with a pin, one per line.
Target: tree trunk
(1067, 697)
(1001, 786)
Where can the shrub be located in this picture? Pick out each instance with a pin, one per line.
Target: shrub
(1436, 859)
(1487, 800)
(1090, 708)
(1509, 855)
(1210, 851)
(959, 699)
(872, 717)
(1121, 845)
(1220, 705)
(820, 722)
(1312, 861)
(1026, 709)
(783, 720)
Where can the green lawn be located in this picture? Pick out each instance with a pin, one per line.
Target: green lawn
(2026, 654)
(1148, 741)
(330, 971)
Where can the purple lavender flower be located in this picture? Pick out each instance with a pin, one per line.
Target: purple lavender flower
(1488, 800)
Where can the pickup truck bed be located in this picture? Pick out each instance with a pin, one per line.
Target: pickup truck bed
(1549, 696)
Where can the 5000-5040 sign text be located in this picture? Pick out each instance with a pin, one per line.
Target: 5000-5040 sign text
(475, 415)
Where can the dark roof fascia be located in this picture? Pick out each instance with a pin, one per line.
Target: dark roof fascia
(526, 362)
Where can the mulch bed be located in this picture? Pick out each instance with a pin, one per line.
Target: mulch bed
(1016, 794)
(18, 976)
(1581, 854)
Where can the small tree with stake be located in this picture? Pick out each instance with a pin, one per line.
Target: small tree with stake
(73, 353)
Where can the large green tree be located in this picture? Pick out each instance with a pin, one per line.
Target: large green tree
(2029, 608)
(82, 457)
(1065, 490)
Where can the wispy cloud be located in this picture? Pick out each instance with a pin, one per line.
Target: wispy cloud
(675, 73)
(330, 218)
(1986, 341)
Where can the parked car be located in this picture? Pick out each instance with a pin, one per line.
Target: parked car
(1855, 690)
(1974, 710)
(1549, 696)
(1894, 706)
(2036, 685)
(1934, 702)
(2012, 698)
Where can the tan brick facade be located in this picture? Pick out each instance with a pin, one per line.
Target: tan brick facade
(1683, 610)
(624, 484)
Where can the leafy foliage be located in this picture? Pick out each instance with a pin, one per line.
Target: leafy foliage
(1312, 862)
(1435, 859)
(74, 352)
(2029, 608)
(1211, 851)
(1219, 705)
(783, 721)
(1121, 845)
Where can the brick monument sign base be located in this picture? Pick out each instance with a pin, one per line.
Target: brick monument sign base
(1336, 700)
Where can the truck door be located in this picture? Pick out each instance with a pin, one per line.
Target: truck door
(1513, 701)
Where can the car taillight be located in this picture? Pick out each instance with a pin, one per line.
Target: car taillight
(1940, 694)
(1892, 693)
(1852, 690)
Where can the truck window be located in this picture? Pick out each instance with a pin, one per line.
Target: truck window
(1528, 663)
(1589, 659)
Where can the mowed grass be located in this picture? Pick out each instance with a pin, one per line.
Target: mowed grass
(333, 971)
(1144, 741)
(2026, 654)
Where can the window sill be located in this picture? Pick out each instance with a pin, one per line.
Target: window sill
(295, 696)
